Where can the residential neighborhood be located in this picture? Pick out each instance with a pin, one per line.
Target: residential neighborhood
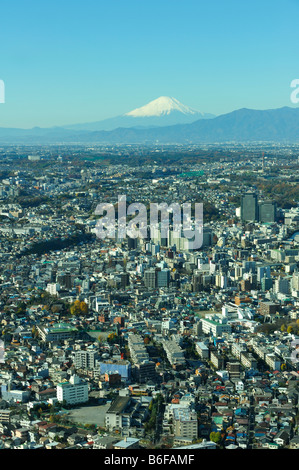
(144, 343)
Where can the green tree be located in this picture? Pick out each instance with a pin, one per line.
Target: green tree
(83, 307)
(75, 308)
(215, 437)
(79, 308)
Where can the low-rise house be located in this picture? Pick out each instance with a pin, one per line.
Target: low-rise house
(105, 442)
(282, 438)
(127, 443)
(294, 442)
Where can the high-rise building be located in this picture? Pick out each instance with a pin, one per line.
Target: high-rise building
(267, 211)
(124, 280)
(249, 207)
(145, 371)
(207, 237)
(85, 359)
(85, 285)
(266, 283)
(263, 271)
(163, 277)
(132, 243)
(282, 285)
(150, 278)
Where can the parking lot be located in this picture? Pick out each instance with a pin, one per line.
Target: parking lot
(89, 414)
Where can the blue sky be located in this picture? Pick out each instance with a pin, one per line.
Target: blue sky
(72, 61)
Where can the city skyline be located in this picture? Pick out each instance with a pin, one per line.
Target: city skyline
(72, 63)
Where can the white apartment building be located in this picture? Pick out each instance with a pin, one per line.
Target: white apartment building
(53, 288)
(215, 326)
(174, 352)
(73, 392)
(202, 349)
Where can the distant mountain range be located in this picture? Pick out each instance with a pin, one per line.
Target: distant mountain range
(164, 111)
(177, 124)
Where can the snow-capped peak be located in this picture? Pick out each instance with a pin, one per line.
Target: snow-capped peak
(160, 107)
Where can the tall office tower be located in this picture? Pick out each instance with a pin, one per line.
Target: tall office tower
(163, 278)
(263, 271)
(249, 207)
(282, 285)
(150, 278)
(249, 266)
(266, 283)
(132, 243)
(207, 237)
(124, 279)
(267, 211)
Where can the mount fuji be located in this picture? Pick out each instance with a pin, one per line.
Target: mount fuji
(163, 111)
(152, 124)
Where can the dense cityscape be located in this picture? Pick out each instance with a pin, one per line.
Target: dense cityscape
(139, 343)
